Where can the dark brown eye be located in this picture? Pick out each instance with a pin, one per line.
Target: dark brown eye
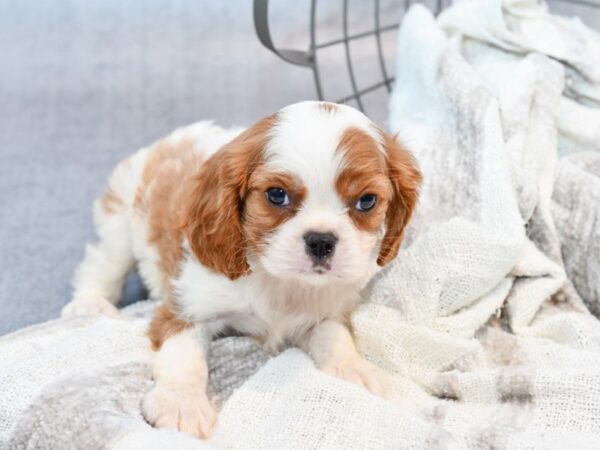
(366, 202)
(278, 196)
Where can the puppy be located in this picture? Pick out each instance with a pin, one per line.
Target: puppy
(271, 232)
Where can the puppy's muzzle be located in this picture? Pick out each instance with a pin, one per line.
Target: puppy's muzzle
(320, 247)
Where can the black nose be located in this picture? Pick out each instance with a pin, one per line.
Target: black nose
(320, 246)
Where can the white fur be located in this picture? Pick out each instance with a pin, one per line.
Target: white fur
(275, 310)
(282, 301)
(332, 348)
(178, 399)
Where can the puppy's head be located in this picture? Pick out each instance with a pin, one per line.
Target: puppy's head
(315, 192)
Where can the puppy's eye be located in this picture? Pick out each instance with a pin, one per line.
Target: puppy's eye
(278, 196)
(366, 202)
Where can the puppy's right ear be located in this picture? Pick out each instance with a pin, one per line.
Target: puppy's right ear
(212, 210)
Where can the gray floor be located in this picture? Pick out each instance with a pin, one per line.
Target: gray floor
(85, 82)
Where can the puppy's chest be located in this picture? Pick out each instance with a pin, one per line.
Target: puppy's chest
(273, 332)
(280, 316)
(272, 310)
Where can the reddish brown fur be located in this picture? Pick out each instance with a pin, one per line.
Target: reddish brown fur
(168, 169)
(364, 173)
(214, 200)
(393, 177)
(165, 324)
(158, 196)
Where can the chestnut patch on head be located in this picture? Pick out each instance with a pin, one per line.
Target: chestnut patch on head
(364, 171)
(391, 175)
(261, 216)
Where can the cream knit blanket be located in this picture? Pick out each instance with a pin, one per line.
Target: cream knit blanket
(482, 320)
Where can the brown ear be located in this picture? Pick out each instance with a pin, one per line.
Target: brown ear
(406, 180)
(212, 212)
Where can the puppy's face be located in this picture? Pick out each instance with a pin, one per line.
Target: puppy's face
(314, 193)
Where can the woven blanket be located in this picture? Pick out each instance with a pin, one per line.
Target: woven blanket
(483, 321)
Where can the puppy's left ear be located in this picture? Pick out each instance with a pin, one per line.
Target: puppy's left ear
(406, 180)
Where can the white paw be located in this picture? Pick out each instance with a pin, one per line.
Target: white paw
(184, 409)
(362, 372)
(89, 306)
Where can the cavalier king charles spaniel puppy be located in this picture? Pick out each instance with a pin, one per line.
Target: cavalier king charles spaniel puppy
(271, 232)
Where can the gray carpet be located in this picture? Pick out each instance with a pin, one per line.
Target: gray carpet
(83, 83)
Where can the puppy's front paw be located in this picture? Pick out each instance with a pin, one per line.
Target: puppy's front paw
(362, 372)
(184, 409)
(89, 306)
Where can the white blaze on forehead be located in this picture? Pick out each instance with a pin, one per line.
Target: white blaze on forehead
(304, 141)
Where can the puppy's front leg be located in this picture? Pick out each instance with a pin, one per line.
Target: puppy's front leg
(332, 348)
(178, 399)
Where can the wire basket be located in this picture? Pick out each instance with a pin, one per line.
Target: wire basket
(379, 33)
